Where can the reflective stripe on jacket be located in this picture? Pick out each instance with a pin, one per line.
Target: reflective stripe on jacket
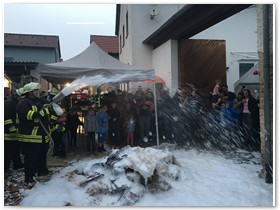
(30, 113)
(56, 123)
(10, 127)
(32, 138)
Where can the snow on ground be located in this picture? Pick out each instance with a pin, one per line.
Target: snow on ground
(195, 178)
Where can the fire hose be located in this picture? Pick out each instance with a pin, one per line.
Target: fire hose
(51, 143)
(58, 111)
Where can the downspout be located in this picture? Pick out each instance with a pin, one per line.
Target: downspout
(267, 110)
(156, 114)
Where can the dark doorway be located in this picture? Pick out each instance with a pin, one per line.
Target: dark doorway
(202, 62)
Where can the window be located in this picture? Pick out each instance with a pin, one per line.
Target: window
(120, 43)
(123, 36)
(126, 24)
(245, 66)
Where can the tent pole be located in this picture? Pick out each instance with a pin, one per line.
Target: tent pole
(156, 116)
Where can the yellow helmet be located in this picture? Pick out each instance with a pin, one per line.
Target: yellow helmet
(31, 86)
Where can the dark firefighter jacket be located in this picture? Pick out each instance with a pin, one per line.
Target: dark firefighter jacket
(58, 123)
(30, 112)
(10, 128)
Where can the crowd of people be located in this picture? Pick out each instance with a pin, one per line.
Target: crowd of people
(239, 115)
(225, 119)
(119, 118)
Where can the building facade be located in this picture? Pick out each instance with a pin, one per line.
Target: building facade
(199, 41)
(23, 52)
(136, 22)
(138, 30)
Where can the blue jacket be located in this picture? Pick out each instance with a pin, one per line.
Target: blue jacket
(230, 115)
(102, 122)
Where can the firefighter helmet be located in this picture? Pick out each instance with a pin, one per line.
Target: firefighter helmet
(54, 91)
(31, 86)
(20, 91)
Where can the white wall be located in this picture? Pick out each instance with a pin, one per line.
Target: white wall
(240, 33)
(165, 61)
(125, 55)
(141, 26)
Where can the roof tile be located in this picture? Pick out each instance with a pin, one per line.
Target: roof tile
(110, 44)
(31, 40)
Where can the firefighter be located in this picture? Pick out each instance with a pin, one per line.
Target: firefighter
(33, 131)
(52, 93)
(58, 122)
(98, 98)
(58, 131)
(11, 144)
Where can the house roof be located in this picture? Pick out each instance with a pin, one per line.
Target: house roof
(191, 20)
(31, 40)
(109, 44)
(16, 69)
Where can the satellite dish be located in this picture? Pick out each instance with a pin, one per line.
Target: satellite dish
(154, 10)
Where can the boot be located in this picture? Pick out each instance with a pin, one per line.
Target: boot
(103, 149)
(99, 149)
(94, 152)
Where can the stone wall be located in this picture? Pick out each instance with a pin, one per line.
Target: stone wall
(261, 73)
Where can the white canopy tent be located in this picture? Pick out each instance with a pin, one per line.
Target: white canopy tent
(96, 67)
(93, 61)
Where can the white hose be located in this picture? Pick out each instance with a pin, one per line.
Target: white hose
(51, 143)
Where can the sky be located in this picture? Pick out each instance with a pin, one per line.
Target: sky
(195, 178)
(72, 22)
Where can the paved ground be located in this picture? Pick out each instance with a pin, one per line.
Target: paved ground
(79, 152)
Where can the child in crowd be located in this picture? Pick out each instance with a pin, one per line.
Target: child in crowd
(102, 122)
(130, 130)
(216, 92)
(90, 126)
